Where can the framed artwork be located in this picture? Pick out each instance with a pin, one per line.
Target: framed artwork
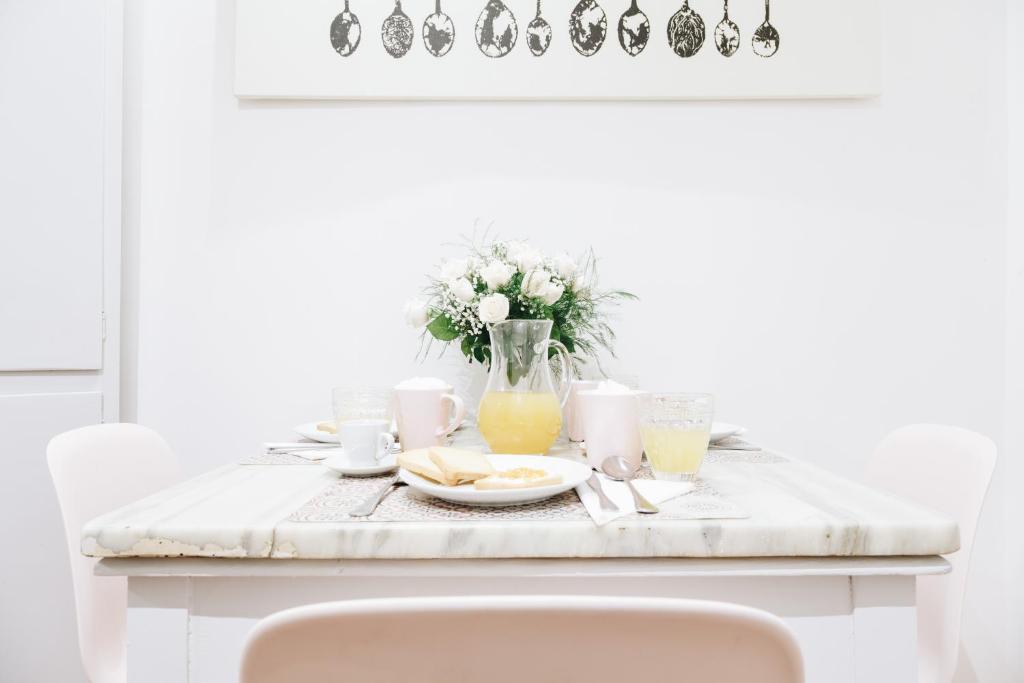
(557, 49)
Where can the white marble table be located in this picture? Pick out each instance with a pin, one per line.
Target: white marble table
(209, 557)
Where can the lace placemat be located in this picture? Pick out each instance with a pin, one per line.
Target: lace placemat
(277, 459)
(408, 505)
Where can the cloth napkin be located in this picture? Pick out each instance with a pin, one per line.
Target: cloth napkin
(655, 491)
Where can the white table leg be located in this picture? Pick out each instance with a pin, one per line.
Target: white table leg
(885, 628)
(158, 629)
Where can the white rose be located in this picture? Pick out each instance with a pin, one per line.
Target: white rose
(496, 274)
(565, 266)
(493, 308)
(462, 289)
(453, 269)
(536, 283)
(512, 249)
(553, 293)
(417, 313)
(528, 258)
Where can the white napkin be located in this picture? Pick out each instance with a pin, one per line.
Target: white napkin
(655, 491)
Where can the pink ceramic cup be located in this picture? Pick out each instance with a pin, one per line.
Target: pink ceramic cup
(611, 426)
(427, 414)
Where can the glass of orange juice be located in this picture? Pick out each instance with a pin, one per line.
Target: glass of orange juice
(676, 429)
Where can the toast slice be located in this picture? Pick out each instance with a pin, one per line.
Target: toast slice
(459, 466)
(519, 478)
(419, 462)
(327, 426)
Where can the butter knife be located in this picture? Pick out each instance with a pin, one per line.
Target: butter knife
(366, 508)
(606, 503)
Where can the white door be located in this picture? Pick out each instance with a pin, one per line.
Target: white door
(60, 130)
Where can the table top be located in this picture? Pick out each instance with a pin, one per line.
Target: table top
(794, 509)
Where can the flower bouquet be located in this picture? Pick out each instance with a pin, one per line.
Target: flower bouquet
(500, 280)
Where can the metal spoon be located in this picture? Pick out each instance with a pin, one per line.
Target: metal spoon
(496, 29)
(538, 34)
(727, 35)
(438, 32)
(766, 38)
(619, 469)
(588, 26)
(634, 30)
(397, 32)
(346, 32)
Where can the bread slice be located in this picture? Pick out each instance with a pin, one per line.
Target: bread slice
(327, 426)
(419, 462)
(460, 467)
(519, 478)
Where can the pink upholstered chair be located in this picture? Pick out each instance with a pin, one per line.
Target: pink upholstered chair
(947, 469)
(541, 639)
(95, 470)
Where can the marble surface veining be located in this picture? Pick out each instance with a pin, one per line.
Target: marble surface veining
(796, 510)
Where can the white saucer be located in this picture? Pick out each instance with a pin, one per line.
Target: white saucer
(723, 430)
(310, 432)
(339, 463)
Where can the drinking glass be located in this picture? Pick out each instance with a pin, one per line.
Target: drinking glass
(361, 403)
(676, 429)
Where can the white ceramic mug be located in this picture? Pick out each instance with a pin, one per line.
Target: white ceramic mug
(573, 410)
(611, 426)
(366, 442)
(427, 411)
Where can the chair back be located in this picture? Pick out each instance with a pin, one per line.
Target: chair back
(947, 469)
(95, 470)
(542, 639)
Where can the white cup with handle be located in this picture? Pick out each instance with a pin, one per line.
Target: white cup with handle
(366, 442)
(427, 411)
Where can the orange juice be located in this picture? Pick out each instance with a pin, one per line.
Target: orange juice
(675, 452)
(520, 422)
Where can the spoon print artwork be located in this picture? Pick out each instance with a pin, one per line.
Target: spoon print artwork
(686, 31)
(438, 32)
(766, 38)
(496, 29)
(538, 34)
(397, 32)
(345, 32)
(634, 30)
(588, 26)
(727, 35)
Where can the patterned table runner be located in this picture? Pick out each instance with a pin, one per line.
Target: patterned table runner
(409, 505)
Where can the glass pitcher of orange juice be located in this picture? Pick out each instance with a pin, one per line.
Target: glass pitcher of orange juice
(520, 411)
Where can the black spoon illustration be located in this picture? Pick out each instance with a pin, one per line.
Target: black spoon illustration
(766, 38)
(588, 26)
(397, 32)
(538, 34)
(345, 32)
(727, 35)
(686, 31)
(634, 30)
(438, 32)
(496, 29)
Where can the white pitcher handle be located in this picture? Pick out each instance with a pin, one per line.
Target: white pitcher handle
(385, 445)
(460, 413)
(564, 380)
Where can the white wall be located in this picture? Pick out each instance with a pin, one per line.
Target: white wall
(831, 270)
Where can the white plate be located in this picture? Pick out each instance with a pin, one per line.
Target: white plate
(723, 430)
(573, 474)
(339, 463)
(310, 431)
